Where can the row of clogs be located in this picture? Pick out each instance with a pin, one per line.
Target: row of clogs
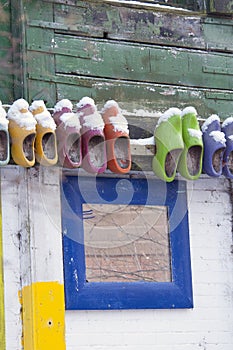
(96, 141)
(100, 140)
(182, 146)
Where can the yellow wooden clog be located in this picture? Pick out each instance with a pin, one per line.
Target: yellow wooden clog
(46, 143)
(22, 130)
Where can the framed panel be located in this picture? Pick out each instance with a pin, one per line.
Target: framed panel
(138, 208)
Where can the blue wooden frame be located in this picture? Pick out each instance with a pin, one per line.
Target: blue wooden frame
(82, 295)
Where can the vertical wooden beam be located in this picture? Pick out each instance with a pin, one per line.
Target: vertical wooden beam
(19, 49)
(2, 312)
(43, 302)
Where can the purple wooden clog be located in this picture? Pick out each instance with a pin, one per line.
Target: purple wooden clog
(227, 128)
(93, 139)
(68, 134)
(214, 146)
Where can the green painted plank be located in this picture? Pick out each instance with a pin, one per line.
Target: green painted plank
(41, 10)
(125, 23)
(41, 90)
(221, 6)
(6, 65)
(41, 64)
(2, 311)
(218, 34)
(96, 58)
(133, 95)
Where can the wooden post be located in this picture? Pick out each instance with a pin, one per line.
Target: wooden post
(42, 295)
(2, 311)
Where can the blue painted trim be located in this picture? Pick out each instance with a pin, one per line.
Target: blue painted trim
(125, 295)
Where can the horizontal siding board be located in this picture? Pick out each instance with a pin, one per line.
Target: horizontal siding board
(218, 34)
(140, 26)
(150, 64)
(130, 24)
(41, 64)
(40, 10)
(139, 99)
(39, 37)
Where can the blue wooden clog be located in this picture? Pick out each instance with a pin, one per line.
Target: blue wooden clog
(227, 128)
(214, 146)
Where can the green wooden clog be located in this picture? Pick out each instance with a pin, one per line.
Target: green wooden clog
(169, 144)
(190, 163)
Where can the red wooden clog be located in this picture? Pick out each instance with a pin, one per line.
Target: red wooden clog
(93, 140)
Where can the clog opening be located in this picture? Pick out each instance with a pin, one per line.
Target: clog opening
(121, 150)
(73, 146)
(3, 145)
(194, 155)
(96, 152)
(171, 161)
(217, 160)
(48, 144)
(230, 162)
(28, 146)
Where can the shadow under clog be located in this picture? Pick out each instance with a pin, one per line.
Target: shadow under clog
(169, 144)
(190, 162)
(94, 159)
(214, 146)
(117, 138)
(227, 129)
(68, 135)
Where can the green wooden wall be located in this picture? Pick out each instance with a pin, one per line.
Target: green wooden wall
(146, 57)
(6, 53)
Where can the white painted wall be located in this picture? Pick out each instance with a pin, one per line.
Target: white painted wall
(208, 326)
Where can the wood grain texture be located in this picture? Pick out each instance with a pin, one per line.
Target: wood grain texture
(2, 309)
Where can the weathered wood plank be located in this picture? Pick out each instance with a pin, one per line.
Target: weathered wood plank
(149, 63)
(2, 309)
(221, 6)
(139, 99)
(41, 10)
(125, 23)
(174, 5)
(218, 34)
(6, 52)
(42, 90)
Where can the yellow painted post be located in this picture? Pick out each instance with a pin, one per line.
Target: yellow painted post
(43, 316)
(2, 312)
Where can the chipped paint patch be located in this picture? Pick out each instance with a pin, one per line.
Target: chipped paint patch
(43, 313)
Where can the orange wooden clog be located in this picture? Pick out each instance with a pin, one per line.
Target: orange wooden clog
(117, 138)
(22, 130)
